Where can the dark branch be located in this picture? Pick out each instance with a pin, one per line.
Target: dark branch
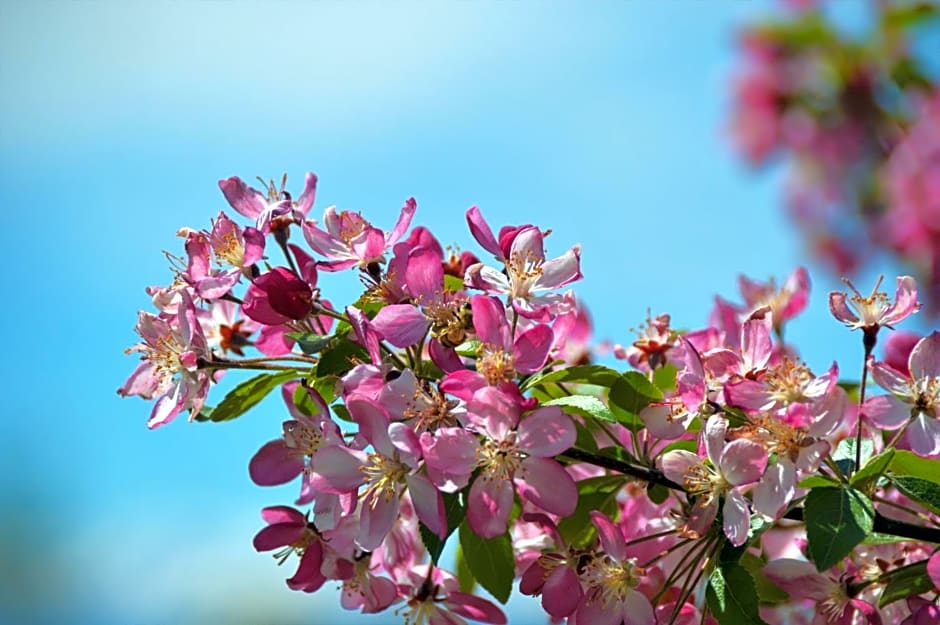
(883, 524)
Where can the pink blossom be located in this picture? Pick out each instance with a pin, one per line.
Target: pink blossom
(915, 398)
(517, 451)
(350, 240)
(870, 313)
(207, 282)
(526, 273)
(434, 598)
(278, 297)
(800, 579)
(269, 209)
(289, 528)
(732, 466)
(171, 352)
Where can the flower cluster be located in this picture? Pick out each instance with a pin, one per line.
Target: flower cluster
(859, 118)
(456, 400)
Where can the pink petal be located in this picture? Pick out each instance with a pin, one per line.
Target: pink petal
(756, 346)
(737, 518)
(840, 309)
(887, 411)
(308, 577)
(377, 516)
(489, 320)
(905, 302)
(424, 275)
(677, 463)
(714, 437)
(309, 194)
(489, 505)
(561, 592)
(659, 420)
(338, 469)
(365, 333)
(933, 569)
(798, 286)
(141, 382)
(496, 410)
(546, 432)
(475, 608)
(637, 609)
(402, 325)
(799, 579)
(482, 233)
(593, 611)
(925, 357)
(450, 456)
(890, 380)
(283, 514)
(560, 271)
(611, 537)
(776, 490)
(278, 535)
(275, 463)
(531, 349)
(429, 505)
(923, 435)
(323, 243)
(485, 278)
(404, 220)
(247, 201)
(545, 483)
(743, 461)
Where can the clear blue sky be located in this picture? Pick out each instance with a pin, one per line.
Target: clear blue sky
(603, 122)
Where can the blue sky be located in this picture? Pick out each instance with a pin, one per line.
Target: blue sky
(603, 122)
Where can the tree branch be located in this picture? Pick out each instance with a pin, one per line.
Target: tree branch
(883, 524)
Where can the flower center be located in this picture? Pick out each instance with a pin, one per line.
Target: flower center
(788, 382)
(302, 438)
(496, 364)
(228, 249)
(384, 476)
(703, 481)
(499, 459)
(351, 225)
(612, 580)
(430, 409)
(524, 270)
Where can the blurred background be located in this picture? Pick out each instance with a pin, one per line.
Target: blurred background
(606, 122)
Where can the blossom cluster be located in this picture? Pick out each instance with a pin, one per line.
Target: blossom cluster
(456, 400)
(859, 119)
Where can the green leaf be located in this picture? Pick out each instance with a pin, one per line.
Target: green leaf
(462, 569)
(906, 581)
(922, 491)
(907, 14)
(837, 519)
(452, 283)
(817, 480)
(342, 413)
(732, 597)
(665, 377)
(247, 394)
(584, 405)
(585, 439)
(341, 358)
(326, 387)
(205, 414)
(490, 560)
(631, 394)
(595, 375)
(595, 493)
(455, 514)
(767, 591)
(469, 349)
(657, 493)
(872, 470)
(844, 454)
(907, 463)
(310, 343)
(304, 402)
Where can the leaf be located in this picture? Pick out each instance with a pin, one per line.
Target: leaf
(455, 513)
(767, 591)
(462, 569)
(341, 358)
(469, 349)
(657, 493)
(629, 395)
(584, 405)
(490, 560)
(326, 387)
(310, 343)
(844, 454)
(595, 375)
(872, 470)
(205, 414)
(907, 463)
(304, 402)
(665, 377)
(905, 582)
(452, 283)
(247, 394)
(595, 493)
(817, 480)
(837, 519)
(908, 14)
(342, 413)
(921, 491)
(585, 439)
(732, 597)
